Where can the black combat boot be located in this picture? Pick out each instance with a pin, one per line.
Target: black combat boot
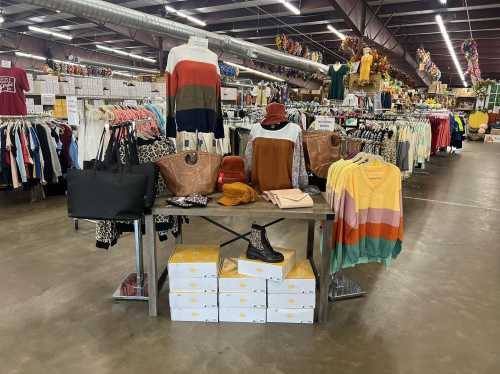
(259, 247)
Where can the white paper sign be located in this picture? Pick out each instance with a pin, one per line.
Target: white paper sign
(6, 64)
(325, 123)
(229, 93)
(38, 109)
(48, 99)
(130, 102)
(72, 107)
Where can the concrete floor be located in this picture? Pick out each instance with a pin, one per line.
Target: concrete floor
(436, 310)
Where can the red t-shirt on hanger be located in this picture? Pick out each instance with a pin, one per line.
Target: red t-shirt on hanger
(13, 84)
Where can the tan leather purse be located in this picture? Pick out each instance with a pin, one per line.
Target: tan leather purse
(288, 199)
(190, 172)
(322, 148)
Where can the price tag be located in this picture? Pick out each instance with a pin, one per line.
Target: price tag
(72, 108)
(325, 123)
(48, 99)
(6, 64)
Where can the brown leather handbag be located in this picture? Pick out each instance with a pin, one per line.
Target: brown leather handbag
(321, 148)
(190, 172)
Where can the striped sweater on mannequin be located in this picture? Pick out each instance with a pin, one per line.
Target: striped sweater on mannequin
(193, 92)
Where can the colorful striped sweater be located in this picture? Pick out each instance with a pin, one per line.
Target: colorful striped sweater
(367, 200)
(193, 91)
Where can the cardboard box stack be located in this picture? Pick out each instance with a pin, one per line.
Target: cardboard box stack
(241, 298)
(192, 271)
(293, 299)
(30, 81)
(51, 84)
(67, 86)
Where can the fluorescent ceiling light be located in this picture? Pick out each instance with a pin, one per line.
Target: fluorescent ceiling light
(336, 32)
(51, 33)
(447, 40)
(29, 55)
(123, 53)
(119, 67)
(291, 7)
(184, 15)
(442, 1)
(2, 20)
(123, 74)
(256, 72)
(67, 63)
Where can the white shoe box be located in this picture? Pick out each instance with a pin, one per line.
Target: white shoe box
(194, 261)
(290, 315)
(242, 300)
(195, 300)
(39, 87)
(301, 279)
(195, 314)
(232, 281)
(193, 284)
(291, 300)
(251, 315)
(264, 270)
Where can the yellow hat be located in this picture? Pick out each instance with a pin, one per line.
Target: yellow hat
(237, 193)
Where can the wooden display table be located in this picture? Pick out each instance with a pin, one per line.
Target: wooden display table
(321, 213)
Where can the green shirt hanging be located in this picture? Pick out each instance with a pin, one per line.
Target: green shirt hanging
(337, 86)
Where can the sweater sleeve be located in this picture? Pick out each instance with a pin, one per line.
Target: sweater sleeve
(171, 83)
(299, 172)
(249, 155)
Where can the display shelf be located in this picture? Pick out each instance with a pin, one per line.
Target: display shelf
(97, 97)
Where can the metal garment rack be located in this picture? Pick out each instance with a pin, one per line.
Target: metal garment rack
(39, 189)
(141, 293)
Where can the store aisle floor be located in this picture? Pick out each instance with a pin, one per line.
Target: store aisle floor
(437, 310)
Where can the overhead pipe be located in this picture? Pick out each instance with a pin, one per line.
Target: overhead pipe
(105, 12)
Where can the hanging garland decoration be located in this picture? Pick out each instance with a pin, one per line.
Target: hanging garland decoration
(352, 46)
(228, 71)
(295, 48)
(290, 73)
(426, 64)
(469, 49)
(481, 87)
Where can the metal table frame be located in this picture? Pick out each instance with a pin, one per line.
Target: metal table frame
(321, 213)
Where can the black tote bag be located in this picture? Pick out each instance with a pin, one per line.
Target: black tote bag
(108, 191)
(148, 169)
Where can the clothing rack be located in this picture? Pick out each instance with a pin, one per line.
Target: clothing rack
(28, 116)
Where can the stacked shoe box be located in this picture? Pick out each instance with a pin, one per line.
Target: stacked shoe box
(241, 298)
(267, 270)
(192, 271)
(293, 299)
(270, 272)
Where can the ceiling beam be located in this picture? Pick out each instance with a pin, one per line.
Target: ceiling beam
(366, 24)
